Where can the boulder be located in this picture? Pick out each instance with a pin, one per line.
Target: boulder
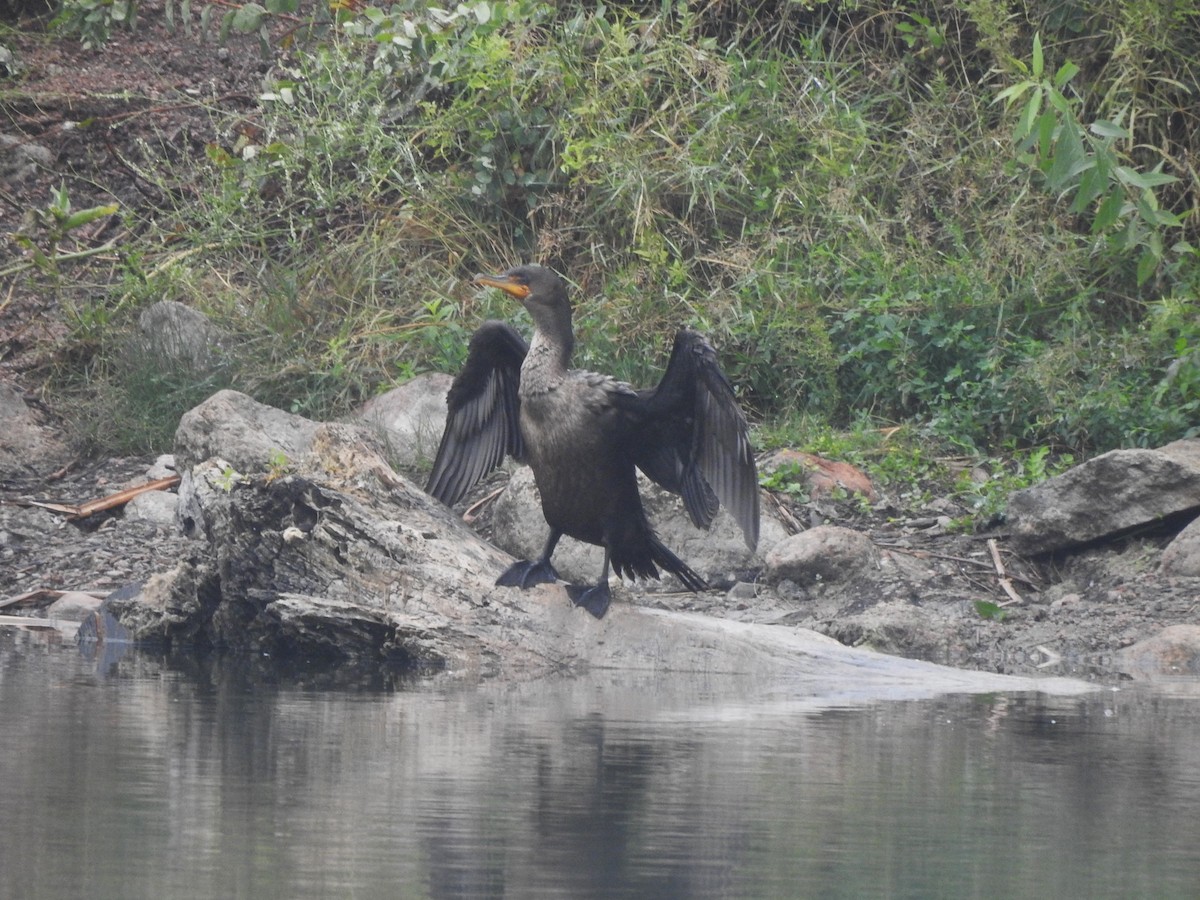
(382, 577)
(1182, 555)
(155, 507)
(21, 158)
(180, 338)
(827, 553)
(342, 562)
(410, 418)
(74, 606)
(1172, 653)
(1106, 496)
(248, 435)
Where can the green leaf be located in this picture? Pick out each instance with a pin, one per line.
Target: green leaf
(1029, 116)
(218, 154)
(1046, 125)
(1014, 91)
(1039, 61)
(989, 610)
(1059, 101)
(226, 26)
(84, 216)
(1068, 152)
(1155, 217)
(248, 18)
(282, 6)
(1109, 211)
(1146, 267)
(1144, 179)
(1065, 73)
(206, 15)
(1106, 129)
(1091, 185)
(60, 202)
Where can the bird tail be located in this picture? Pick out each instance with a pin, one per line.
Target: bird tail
(652, 553)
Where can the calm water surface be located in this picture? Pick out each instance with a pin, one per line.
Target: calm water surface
(142, 780)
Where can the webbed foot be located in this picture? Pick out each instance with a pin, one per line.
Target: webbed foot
(526, 574)
(594, 599)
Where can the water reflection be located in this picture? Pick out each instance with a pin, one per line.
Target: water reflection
(157, 782)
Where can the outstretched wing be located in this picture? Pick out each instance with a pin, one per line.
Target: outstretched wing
(695, 441)
(482, 422)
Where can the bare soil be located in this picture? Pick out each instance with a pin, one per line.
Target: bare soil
(99, 123)
(105, 118)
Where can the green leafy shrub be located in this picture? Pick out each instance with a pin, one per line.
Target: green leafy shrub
(1087, 163)
(92, 21)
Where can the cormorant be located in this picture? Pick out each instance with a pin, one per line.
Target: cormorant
(583, 435)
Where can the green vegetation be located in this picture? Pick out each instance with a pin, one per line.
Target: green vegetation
(976, 220)
(989, 610)
(45, 230)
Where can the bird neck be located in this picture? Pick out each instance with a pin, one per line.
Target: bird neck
(549, 355)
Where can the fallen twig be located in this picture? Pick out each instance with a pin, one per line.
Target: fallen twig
(472, 512)
(1005, 581)
(1052, 658)
(112, 501)
(794, 526)
(965, 560)
(60, 257)
(62, 473)
(40, 597)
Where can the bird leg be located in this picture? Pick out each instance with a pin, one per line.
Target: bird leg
(594, 599)
(526, 574)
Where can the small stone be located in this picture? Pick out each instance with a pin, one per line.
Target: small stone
(73, 606)
(743, 590)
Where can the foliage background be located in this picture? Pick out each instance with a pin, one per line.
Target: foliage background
(975, 220)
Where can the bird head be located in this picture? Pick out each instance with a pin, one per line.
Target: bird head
(532, 285)
(544, 296)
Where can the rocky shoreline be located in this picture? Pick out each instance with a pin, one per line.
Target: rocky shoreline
(302, 540)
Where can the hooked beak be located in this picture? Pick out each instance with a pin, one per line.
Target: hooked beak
(505, 283)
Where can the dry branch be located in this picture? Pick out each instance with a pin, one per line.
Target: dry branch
(112, 501)
(1002, 576)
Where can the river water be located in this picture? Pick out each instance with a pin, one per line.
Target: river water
(138, 779)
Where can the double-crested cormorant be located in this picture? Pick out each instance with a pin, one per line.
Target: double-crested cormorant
(583, 435)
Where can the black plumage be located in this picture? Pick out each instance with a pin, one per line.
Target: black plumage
(583, 434)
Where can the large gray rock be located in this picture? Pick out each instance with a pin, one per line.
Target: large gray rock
(1107, 495)
(411, 418)
(1172, 653)
(1182, 555)
(181, 338)
(249, 435)
(21, 158)
(827, 553)
(155, 507)
(719, 554)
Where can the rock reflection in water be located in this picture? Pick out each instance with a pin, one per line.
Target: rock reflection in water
(145, 781)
